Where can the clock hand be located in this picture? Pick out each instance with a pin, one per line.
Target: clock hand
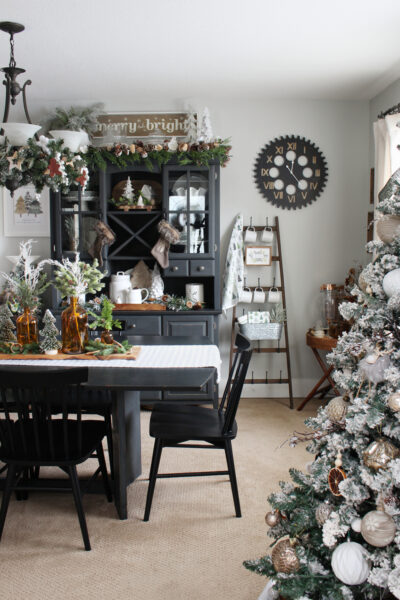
(291, 172)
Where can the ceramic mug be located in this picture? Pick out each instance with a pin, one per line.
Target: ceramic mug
(135, 296)
(274, 295)
(250, 235)
(259, 295)
(246, 295)
(267, 234)
(195, 292)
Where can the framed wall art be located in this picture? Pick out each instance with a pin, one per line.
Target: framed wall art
(258, 256)
(27, 213)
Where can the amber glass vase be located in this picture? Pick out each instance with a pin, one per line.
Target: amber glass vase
(27, 328)
(74, 330)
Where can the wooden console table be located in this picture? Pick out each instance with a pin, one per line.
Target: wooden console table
(326, 343)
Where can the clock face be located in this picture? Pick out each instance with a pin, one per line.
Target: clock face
(291, 172)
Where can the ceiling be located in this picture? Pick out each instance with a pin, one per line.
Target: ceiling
(108, 50)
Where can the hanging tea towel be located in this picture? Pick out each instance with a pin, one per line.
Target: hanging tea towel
(234, 267)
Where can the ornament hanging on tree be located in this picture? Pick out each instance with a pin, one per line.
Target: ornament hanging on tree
(379, 453)
(337, 409)
(322, 512)
(394, 402)
(378, 528)
(349, 563)
(284, 557)
(373, 366)
(336, 475)
(269, 592)
(272, 518)
(391, 283)
(356, 525)
(388, 227)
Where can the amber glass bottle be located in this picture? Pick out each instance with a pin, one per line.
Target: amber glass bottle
(74, 330)
(27, 328)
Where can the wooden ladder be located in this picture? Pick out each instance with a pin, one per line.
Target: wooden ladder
(277, 349)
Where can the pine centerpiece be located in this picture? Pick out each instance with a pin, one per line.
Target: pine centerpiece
(105, 320)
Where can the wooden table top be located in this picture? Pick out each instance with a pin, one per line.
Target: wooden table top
(320, 343)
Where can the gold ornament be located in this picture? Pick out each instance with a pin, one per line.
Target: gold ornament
(388, 227)
(336, 475)
(322, 512)
(362, 284)
(378, 528)
(284, 557)
(379, 454)
(272, 518)
(394, 402)
(337, 409)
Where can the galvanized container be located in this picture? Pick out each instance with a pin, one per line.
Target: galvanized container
(262, 331)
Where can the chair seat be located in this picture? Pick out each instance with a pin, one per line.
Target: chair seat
(92, 434)
(181, 423)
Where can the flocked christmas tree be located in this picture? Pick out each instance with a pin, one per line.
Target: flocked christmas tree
(205, 130)
(49, 342)
(336, 528)
(6, 325)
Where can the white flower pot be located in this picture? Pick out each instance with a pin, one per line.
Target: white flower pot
(51, 352)
(72, 139)
(19, 133)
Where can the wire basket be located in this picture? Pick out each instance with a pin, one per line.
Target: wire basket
(262, 331)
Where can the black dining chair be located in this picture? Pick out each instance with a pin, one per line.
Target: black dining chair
(44, 430)
(174, 425)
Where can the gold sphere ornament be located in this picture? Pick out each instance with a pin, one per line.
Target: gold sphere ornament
(337, 409)
(322, 512)
(272, 518)
(394, 402)
(378, 528)
(379, 453)
(284, 557)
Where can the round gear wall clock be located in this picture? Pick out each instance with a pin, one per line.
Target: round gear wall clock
(291, 172)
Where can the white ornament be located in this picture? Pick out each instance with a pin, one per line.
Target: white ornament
(349, 563)
(356, 525)
(394, 402)
(269, 592)
(391, 283)
(374, 371)
(378, 528)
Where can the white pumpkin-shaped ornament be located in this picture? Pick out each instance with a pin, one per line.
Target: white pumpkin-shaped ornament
(391, 283)
(349, 563)
(269, 592)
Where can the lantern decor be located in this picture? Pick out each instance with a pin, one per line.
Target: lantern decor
(272, 518)
(374, 365)
(349, 563)
(337, 409)
(284, 557)
(379, 454)
(336, 475)
(394, 402)
(378, 528)
(322, 512)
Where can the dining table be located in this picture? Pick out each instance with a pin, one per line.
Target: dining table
(179, 364)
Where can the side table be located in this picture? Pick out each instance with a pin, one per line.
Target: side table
(320, 343)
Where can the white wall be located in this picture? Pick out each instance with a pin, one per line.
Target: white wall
(320, 242)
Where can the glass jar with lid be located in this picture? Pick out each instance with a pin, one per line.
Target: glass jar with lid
(328, 303)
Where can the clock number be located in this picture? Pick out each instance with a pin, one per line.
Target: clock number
(314, 160)
(291, 146)
(264, 172)
(317, 173)
(292, 199)
(269, 158)
(269, 185)
(313, 185)
(279, 149)
(278, 195)
(304, 194)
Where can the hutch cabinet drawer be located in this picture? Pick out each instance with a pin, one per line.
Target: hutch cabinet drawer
(177, 268)
(205, 268)
(142, 325)
(188, 325)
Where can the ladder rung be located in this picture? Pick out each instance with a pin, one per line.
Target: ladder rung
(266, 382)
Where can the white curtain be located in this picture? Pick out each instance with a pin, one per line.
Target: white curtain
(387, 155)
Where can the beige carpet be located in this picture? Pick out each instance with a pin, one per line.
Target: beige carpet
(192, 547)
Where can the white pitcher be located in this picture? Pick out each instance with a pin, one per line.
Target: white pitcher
(135, 295)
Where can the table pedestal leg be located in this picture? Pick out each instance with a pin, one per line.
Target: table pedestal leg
(126, 446)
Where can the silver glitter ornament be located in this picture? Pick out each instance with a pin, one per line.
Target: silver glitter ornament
(272, 518)
(394, 402)
(337, 409)
(322, 512)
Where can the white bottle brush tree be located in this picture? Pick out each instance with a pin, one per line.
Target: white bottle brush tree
(205, 130)
(336, 528)
(49, 342)
(7, 327)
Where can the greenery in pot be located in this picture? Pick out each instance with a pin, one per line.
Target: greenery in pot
(75, 118)
(104, 320)
(74, 278)
(277, 314)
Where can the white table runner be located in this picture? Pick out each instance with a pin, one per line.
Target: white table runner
(162, 357)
